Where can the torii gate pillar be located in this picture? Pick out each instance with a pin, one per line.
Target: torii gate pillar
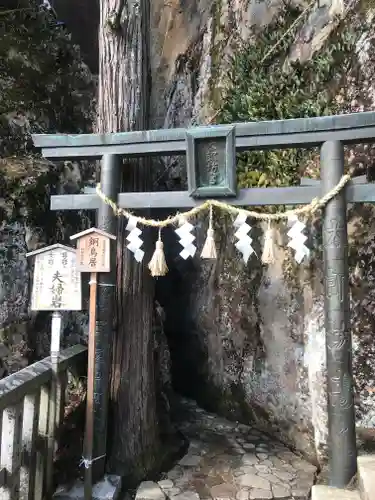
(106, 220)
(341, 413)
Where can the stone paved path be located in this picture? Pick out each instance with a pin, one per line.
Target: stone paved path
(229, 461)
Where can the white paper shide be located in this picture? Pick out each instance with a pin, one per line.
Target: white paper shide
(134, 239)
(186, 239)
(244, 242)
(57, 283)
(298, 239)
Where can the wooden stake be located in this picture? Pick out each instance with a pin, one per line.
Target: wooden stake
(93, 256)
(89, 435)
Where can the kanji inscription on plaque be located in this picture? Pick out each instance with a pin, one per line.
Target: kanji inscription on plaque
(211, 161)
(93, 250)
(57, 281)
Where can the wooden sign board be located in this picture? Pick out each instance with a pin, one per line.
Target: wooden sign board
(57, 282)
(93, 251)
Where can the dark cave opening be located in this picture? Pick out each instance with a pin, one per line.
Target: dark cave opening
(191, 347)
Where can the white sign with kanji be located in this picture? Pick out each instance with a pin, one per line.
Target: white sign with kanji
(57, 282)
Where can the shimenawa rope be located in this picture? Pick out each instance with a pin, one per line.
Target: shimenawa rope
(315, 205)
(158, 265)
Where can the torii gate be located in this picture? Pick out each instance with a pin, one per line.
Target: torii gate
(211, 171)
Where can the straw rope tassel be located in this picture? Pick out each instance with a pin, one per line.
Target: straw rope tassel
(158, 265)
(268, 255)
(209, 248)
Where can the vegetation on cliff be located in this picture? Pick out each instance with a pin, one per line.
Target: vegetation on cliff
(44, 87)
(263, 85)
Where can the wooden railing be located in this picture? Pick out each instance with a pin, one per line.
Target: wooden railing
(25, 426)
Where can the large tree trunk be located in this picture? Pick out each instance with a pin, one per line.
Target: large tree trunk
(123, 106)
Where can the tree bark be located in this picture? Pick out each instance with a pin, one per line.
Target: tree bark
(134, 441)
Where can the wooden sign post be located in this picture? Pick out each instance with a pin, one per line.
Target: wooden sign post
(93, 256)
(56, 287)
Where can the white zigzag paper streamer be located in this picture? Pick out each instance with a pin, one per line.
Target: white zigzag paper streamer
(186, 240)
(244, 240)
(297, 239)
(134, 239)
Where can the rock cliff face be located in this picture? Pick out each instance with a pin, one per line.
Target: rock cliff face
(247, 341)
(44, 87)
